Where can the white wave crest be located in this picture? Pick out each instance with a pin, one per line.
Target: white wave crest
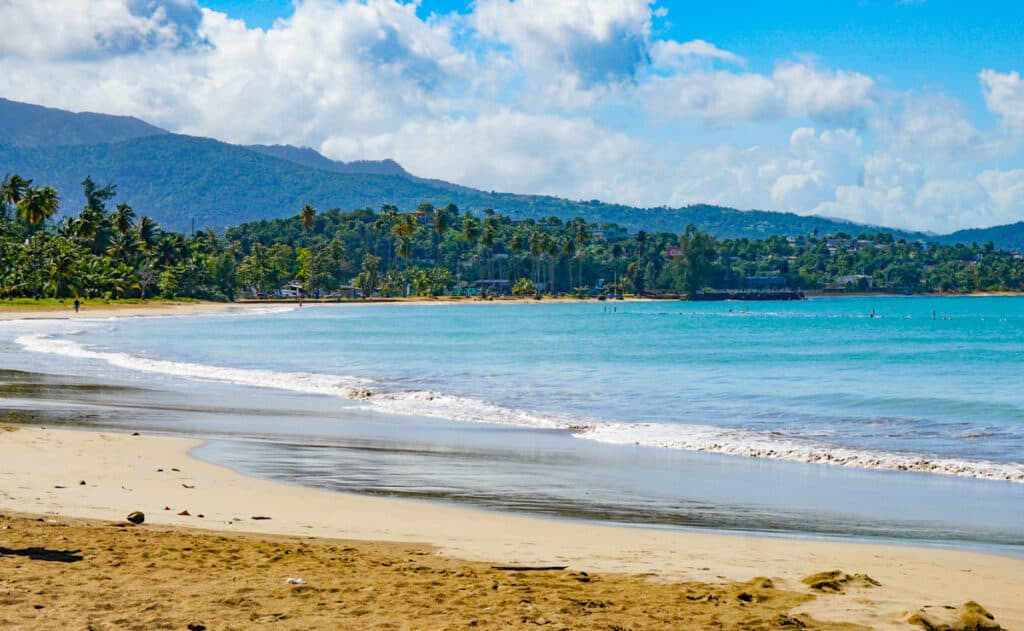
(738, 442)
(315, 383)
(705, 438)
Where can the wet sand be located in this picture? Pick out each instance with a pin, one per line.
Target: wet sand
(162, 573)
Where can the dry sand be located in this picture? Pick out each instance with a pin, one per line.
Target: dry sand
(41, 472)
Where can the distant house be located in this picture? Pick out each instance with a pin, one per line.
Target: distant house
(855, 280)
(291, 290)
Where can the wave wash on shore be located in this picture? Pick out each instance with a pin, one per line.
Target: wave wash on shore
(690, 437)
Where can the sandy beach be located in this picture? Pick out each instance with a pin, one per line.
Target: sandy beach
(113, 309)
(63, 475)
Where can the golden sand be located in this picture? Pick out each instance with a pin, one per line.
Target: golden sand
(74, 574)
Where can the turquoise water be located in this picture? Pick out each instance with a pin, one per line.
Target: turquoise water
(908, 388)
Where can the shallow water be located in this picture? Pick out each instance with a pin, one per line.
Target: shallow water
(636, 412)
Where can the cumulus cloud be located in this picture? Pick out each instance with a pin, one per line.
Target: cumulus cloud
(58, 29)
(329, 69)
(529, 96)
(598, 41)
(1004, 96)
(524, 152)
(668, 53)
(792, 90)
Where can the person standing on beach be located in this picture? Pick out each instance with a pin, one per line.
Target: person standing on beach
(77, 305)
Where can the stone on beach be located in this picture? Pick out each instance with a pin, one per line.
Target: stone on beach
(836, 581)
(136, 517)
(969, 616)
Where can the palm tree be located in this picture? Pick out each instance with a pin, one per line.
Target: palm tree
(442, 219)
(307, 217)
(59, 267)
(38, 205)
(403, 230)
(383, 224)
(124, 219)
(470, 230)
(12, 190)
(147, 232)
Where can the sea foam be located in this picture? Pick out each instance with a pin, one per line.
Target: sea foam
(426, 403)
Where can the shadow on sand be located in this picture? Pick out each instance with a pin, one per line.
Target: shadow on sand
(44, 554)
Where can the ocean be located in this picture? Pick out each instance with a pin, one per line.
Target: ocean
(893, 418)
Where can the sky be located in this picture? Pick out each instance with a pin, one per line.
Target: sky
(903, 113)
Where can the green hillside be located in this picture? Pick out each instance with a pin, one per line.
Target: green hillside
(180, 179)
(177, 179)
(25, 125)
(1008, 237)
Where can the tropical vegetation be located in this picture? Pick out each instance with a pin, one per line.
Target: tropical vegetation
(108, 250)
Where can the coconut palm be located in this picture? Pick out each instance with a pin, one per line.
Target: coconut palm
(147, 230)
(37, 205)
(12, 190)
(307, 217)
(442, 221)
(124, 219)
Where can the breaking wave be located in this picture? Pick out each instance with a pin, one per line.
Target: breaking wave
(689, 437)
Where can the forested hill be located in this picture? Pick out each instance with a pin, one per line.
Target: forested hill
(25, 125)
(180, 179)
(177, 179)
(1010, 236)
(309, 157)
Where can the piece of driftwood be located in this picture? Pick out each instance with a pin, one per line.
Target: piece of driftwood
(528, 568)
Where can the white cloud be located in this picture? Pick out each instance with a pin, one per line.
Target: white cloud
(792, 90)
(329, 69)
(572, 52)
(529, 96)
(70, 28)
(524, 152)
(1004, 96)
(668, 53)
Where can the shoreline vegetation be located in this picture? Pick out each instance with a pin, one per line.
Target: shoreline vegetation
(217, 549)
(441, 251)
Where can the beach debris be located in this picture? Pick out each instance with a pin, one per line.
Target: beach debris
(196, 626)
(530, 568)
(167, 508)
(260, 517)
(969, 616)
(175, 469)
(81, 483)
(201, 516)
(295, 581)
(836, 581)
(136, 517)
(185, 513)
(135, 433)
(189, 486)
(57, 486)
(159, 470)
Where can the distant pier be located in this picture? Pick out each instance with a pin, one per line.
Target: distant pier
(748, 294)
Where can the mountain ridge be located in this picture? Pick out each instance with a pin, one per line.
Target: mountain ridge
(183, 180)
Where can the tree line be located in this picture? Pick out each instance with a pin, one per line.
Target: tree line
(107, 250)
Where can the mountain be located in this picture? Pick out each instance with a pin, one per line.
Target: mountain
(24, 125)
(1008, 237)
(311, 158)
(183, 180)
(177, 179)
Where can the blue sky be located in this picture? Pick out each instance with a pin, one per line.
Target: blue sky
(906, 113)
(932, 44)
